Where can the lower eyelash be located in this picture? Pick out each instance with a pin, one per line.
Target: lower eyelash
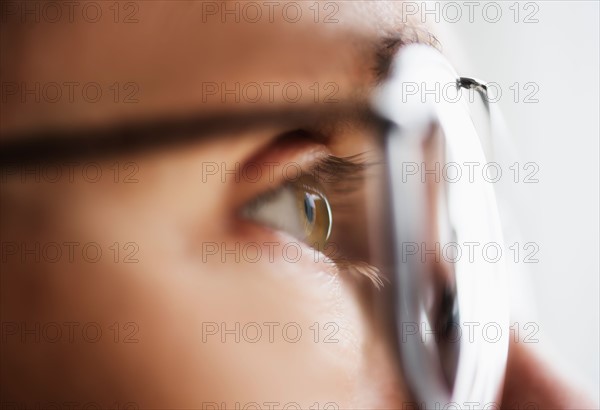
(361, 270)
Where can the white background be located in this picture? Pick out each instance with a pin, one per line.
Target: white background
(560, 53)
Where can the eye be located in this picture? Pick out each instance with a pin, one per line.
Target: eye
(299, 208)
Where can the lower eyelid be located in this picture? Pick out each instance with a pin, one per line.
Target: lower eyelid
(357, 275)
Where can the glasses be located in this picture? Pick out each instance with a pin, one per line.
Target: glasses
(449, 311)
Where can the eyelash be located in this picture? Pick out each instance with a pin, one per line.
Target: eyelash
(341, 177)
(332, 169)
(338, 175)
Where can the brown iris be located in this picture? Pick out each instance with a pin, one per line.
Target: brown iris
(315, 211)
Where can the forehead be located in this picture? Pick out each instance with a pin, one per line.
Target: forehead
(66, 63)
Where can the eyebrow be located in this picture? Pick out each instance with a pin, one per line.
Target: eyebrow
(387, 47)
(143, 135)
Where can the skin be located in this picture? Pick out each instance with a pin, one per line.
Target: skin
(171, 293)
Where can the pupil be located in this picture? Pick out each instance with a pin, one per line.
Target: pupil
(309, 207)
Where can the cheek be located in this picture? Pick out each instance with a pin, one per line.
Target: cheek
(282, 329)
(191, 328)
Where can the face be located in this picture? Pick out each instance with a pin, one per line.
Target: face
(227, 261)
(209, 266)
